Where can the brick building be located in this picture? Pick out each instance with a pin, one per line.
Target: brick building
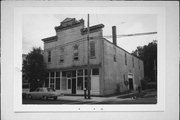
(65, 55)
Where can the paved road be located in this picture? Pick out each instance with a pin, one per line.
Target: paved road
(148, 98)
(116, 101)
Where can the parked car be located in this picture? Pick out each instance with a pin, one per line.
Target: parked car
(25, 92)
(43, 93)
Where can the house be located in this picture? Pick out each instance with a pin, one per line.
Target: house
(113, 69)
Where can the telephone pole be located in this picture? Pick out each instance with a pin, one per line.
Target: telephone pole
(88, 62)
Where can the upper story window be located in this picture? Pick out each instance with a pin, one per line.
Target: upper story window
(61, 59)
(75, 54)
(133, 61)
(92, 49)
(125, 58)
(49, 56)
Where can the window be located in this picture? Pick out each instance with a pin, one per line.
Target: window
(58, 83)
(69, 74)
(92, 49)
(63, 73)
(49, 56)
(80, 83)
(41, 90)
(51, 79)
(76, 56)
(52, 74)
(86, 83)
(61, 59)
(69, 83)
(74, 73)
(57, 80)
(95, 71)
(86, 72)
(57, 74)
(125, 57)
(133, 61)
(80, 72)
(52, 83)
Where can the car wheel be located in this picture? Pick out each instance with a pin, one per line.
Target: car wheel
(45, 98)
(29, 96)
(55, 98)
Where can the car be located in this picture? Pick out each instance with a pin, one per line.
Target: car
(43, 93)
(25, 92)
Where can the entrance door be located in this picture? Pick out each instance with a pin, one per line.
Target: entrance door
(131, 84)
(73, 85)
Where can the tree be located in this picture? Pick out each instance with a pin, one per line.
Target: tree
(148, 54)
(34, 69)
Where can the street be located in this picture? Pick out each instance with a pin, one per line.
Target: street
(147, 98)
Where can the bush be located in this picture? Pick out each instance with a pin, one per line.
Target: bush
(117, 88)
(144, 83)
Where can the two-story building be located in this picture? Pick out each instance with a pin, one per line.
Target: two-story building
(65, 55)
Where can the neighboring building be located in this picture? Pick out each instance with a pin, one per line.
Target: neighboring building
(66, 58)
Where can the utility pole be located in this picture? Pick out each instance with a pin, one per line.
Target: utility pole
(88, 62)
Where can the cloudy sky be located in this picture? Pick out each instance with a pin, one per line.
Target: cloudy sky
(39, 26)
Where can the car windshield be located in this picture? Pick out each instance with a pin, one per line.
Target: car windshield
(50, 89)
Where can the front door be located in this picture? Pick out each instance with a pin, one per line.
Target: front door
(131, 84)
(73, 85)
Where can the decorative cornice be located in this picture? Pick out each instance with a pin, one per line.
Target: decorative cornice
(92, 29)
(74, 23)
(50, 39)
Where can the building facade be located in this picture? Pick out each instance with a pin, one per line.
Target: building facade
(65, 55)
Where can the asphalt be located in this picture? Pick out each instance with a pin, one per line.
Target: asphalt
(146, 97)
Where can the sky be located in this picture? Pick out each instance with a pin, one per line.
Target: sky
(39, 26)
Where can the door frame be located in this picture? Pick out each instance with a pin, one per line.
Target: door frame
(131, 76)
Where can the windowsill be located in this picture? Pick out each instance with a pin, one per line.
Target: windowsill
(93, 57)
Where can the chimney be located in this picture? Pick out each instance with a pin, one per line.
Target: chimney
(114, 34)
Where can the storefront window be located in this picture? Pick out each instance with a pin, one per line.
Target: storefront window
(74, 73)
(85, 82)
(57, 74)
(69, 83)
(95, 71)
(64, 83)
(80, 72)
(80, 83)
(52, 74)
(57, 83)
(63, 73)
(86, 72)
(69, 74)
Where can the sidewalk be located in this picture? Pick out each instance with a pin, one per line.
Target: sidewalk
(94, 99)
